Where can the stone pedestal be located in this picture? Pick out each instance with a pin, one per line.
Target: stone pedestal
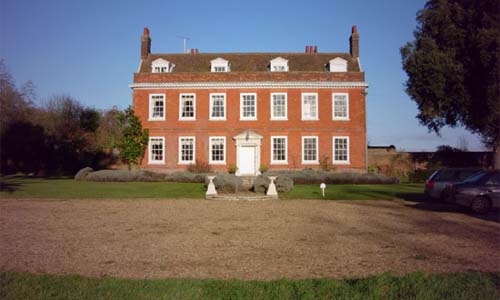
(271, 191)
(211, 187)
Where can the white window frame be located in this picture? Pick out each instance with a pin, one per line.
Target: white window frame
(211, 107)
(346, 118)
(317, 107)
(272, 107)
(150, 160)
(310, 162)
(162, 63)
(278, 62)
(210, 143)
(242, 118)
(150, 116)
(179, 149)
(181, 118)
(341, 162)
(219, 63)
(279, 162)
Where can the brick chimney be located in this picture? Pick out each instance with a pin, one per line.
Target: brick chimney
(354, 42)
(145, 44)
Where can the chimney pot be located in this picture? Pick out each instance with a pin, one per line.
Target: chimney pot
(315, 49)
(354, 29)
(146, 31)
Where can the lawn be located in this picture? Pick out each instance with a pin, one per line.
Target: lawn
(25, 187)
(385, 286)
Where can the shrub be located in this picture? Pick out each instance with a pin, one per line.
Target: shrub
(232, 169)
(283, 183)
(185, 177)
(263, 168)
(82, 174)
(419, 176)
(226, 183)
(317, 177)
(199, 167)
(123, 176)
(324, 163)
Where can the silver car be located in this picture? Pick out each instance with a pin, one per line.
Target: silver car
(436, 187)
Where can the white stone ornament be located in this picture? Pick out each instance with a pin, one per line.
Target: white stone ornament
(271, 191)
(323, 187)
(211, 187)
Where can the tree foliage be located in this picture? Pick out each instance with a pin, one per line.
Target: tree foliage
(453, 66)
(135, 139)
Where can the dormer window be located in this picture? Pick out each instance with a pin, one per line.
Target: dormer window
(220, 65)
(279, 64)
(162, 66)
(338, 65)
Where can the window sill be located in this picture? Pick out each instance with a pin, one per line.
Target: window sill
(341, 163)
(187, 119)
(217, 119)
(153, 120)
(217, 163)
(279, 119)
(279, 162)
(248, 119)
(185, 163)
(341, 119)
(156, 162)
(308, 162)
(317, 119)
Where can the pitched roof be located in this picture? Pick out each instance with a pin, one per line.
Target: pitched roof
(250, 62)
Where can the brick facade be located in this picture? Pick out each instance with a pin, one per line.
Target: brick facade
(294, 128)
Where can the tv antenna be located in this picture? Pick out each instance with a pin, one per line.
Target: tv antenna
(185, 39)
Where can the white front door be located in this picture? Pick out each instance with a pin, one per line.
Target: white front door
(246, 160)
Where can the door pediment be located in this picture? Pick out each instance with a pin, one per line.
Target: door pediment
(248, 135)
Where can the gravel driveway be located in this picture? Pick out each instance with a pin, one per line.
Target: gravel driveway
(246, 240)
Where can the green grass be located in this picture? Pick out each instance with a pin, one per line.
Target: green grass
(357, 192)
(21, 187)
(420, 286)
(25, 187)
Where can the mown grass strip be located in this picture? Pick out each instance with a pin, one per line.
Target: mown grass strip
(418, 285)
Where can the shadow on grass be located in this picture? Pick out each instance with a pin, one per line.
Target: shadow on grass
(10, 184)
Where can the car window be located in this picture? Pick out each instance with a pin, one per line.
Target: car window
(446, 175)
(462, 175)
(476, 177)
(494, 179)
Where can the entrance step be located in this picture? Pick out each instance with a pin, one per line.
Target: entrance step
(241, 197)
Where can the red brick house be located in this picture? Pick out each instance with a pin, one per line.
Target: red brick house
(283, 110)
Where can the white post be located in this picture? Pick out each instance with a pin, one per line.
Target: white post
(271, 191)
(211, 187)
(323, 187)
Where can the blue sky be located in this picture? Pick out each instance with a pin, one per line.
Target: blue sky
(90, 49)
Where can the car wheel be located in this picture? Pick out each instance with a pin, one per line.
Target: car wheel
(480, 205)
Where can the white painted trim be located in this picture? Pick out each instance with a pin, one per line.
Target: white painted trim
(273, 118)
(278, 62)
(249, 84)
(156, 162)
(210, 161)
(210, 103)
(347, 107)
(194, 107)
(341, 162)
(185, 162)
(241, 107)
(310, 162)
(279, 162)
(150, 118)
(359, 64)
(219, 62)
(302, 107)
(337, 64)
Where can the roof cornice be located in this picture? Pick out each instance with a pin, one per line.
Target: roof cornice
(256, 84)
